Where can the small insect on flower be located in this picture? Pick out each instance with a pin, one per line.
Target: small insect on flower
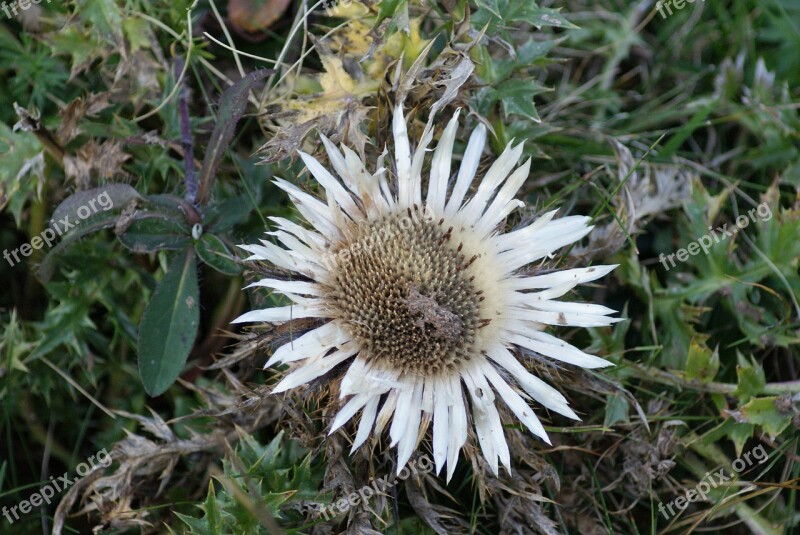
(424, 298)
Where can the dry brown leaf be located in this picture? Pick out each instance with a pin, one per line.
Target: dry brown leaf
(142, 467)
(648, 190)
(28, 119)
(361, 525)
(79, 169)
(337, 111)
(104, 160)
(442, 520)
(252, 16)
(76, 110)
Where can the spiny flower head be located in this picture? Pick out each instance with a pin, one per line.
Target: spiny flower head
(424, 300)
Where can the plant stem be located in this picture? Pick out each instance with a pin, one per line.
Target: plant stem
(190, 179)
(664, 377)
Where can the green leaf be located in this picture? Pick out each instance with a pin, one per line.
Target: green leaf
(740, 434)
(21, 169)
(231, 107)
(697, 121)
(280, 472)
(196, 525)
(223, 216)
(517, 97)
(751, 379)
(534, 50)
(169, 325)
(616, 410)
(137, 32)
(95, 200)
(102, 220)
(762, 411)
(387, 9)
(169, 203)
(507, 11)
(154, 231)
(80, 45)
(701, 363)
(104, 15)
(526, 56)
(213, 516)
(213, 252)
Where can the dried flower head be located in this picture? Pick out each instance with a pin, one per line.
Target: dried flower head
(424, 298)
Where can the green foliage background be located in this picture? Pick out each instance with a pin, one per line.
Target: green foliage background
(707, 365)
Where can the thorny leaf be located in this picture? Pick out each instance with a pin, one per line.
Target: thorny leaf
(363, 58)
(98, 30)
(138, 33)
(136, 460)
(517, 98)
(338, 477)
(361, 525)
(518, 496)
(442, 520)
(28, 119)
(105, 16)
(82, 45)
(336, 110)
(355, 39)
(765, 412)
(452, 82)
(75, 111)
(103, 160)
(521, 516)
(155, 425)
(701, 363)
(12, 350)
(507, 11)
(21, 170)
(751, 378)
(646, 458)
(451, 69)
(535, 467)
(142, 466)
(405, 83)
(137, 80)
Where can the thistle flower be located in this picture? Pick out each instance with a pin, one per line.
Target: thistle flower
(423, 299)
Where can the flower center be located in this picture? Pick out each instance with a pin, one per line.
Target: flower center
(404, 291)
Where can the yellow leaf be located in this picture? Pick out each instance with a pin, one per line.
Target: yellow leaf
(335, 81)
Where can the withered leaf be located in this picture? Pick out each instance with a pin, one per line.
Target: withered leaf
(251, 16)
